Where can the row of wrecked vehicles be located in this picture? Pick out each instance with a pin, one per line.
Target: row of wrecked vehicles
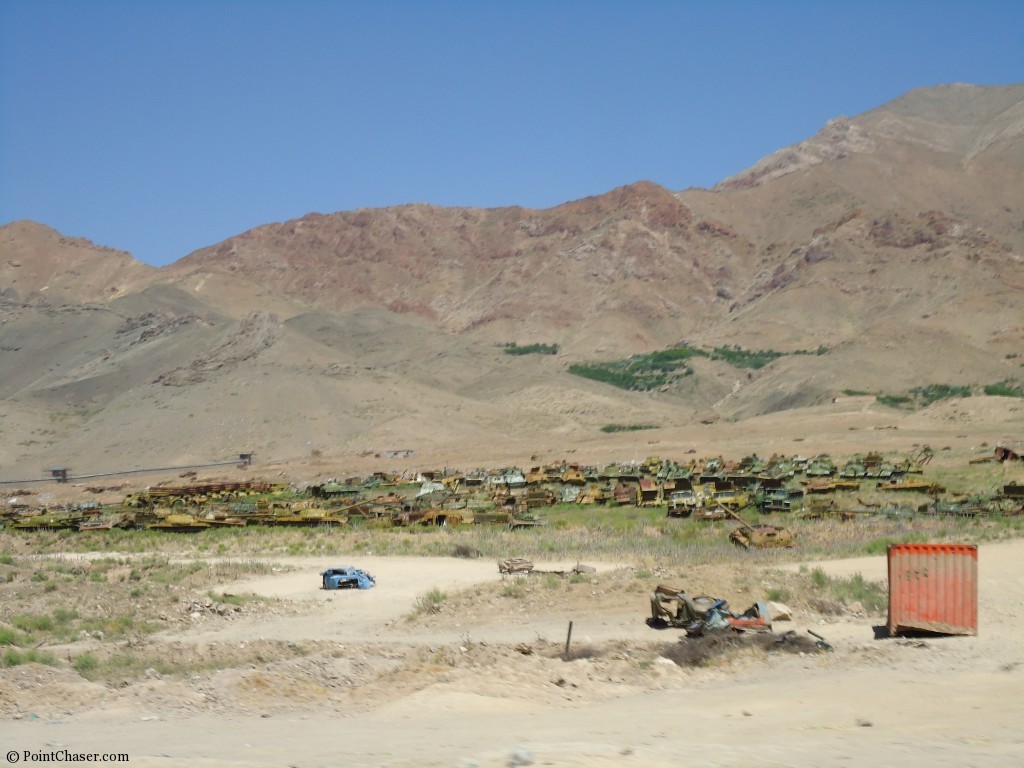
(809, 490)
(706, 490)
(203, 506)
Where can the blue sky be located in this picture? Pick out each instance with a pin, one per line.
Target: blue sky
(159, 127)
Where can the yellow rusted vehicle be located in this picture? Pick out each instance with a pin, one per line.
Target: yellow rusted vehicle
(683, 503)
(729, 498)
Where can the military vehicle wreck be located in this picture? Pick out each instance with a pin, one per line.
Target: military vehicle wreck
(672, 607)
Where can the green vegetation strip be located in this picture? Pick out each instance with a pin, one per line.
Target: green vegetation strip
(641, 372)
(657, 369)
(531, 349)
(1007, 388)
(922, 397)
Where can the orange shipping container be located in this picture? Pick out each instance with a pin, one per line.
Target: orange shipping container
(934, 588)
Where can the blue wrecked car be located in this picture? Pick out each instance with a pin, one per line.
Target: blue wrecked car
(347, 578)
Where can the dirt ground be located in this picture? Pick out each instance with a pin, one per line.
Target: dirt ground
(307, 678)
(375, 680)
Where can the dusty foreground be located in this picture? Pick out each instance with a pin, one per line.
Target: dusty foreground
(481, 682)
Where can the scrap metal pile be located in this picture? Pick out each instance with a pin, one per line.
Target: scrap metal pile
(707, 617)
(673, 607)
(520, 566)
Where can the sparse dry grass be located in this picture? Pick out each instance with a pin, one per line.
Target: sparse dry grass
(572, 533)
(430, 601)
(126, 585)
(116, 662)
(105, 600)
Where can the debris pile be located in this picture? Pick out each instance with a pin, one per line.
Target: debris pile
(672, 607)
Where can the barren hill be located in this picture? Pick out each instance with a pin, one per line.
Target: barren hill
(38, 263)
(621, 267)
(881, 254)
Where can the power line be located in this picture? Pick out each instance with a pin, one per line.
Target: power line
(60, 474)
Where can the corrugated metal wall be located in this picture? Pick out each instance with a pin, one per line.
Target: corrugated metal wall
(933, 587)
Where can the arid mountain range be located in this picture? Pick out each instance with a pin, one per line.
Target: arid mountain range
(886, 250)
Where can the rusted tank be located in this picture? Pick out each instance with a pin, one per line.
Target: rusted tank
(179, 523)
(933, 588)
(623, 493)
(649, 493)
(683, 503)
(729, 498)
(831, 486)
(573, 475)
(761, 537)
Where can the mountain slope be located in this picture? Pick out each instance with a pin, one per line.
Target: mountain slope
(886, 249)
(628, 259)
(38, 262)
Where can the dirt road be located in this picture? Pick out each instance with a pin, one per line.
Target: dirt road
(482, 686)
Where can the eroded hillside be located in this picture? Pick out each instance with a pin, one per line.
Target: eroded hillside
(880, 255)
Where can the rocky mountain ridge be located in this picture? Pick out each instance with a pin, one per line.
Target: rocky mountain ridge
(890, 242)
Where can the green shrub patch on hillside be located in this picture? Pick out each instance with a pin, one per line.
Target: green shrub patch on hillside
(627, 427)
(657, 369)
(745, 358)
(1008, 388)
(530, 349)
(922, 397)
(641, 372)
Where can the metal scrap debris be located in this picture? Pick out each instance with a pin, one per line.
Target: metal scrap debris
(520, 565)
(675, 608)
(347, 578)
